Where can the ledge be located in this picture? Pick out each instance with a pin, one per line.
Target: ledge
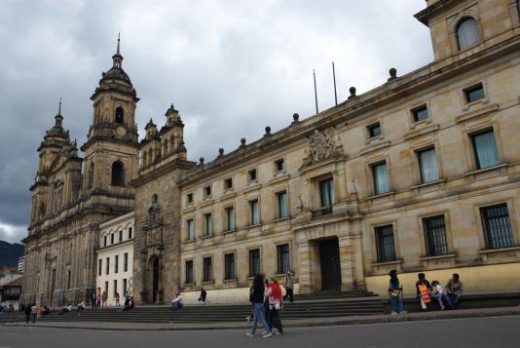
(429, 183)
(228, 195)
(381, 195)
(189, 241)
(488, 169)
(253, 187)
(207, 236)
(374, 147)
(501, 250)
(388, 263)
(477, 113)
(422, 131)
(438, 257)
(189, 209)
(207, 201)
(279, 178)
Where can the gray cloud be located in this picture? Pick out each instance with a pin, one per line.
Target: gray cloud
(230, 67)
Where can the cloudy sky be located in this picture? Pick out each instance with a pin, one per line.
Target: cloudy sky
(230, 67)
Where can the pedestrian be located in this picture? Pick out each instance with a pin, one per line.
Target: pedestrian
(116, 297)
(423, 288)
(27, 311)
(441, 296)
(257, 297)
(98, 301)
(104, 299)
(177, 302)
(202, 297)
(93, 299)
(274, 295)
(82, 306)
(395, 291)
(34, 310)
(454, 289)
(289, 285)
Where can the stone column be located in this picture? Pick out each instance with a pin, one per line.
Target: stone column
(346, 256)
(304, 255)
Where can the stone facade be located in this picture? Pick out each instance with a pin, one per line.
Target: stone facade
(418, 174)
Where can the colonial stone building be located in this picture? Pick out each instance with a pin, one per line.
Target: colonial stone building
(115, 256)
(419, 174)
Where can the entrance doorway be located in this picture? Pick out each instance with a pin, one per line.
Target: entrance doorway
(155, 279)
(330, 264)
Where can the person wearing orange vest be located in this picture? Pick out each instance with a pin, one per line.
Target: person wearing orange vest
(423, 291)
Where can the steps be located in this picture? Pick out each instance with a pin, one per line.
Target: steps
(300, 309)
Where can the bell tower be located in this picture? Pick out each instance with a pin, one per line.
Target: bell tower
(111, 150)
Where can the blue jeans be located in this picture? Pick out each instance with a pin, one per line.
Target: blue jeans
(396, 304)
(259, 315)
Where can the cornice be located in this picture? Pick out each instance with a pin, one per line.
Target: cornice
(161, 170)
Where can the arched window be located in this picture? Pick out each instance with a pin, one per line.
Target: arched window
(172, 143)
(90, 176)
(118, 174)
(467, 33)
(119, 115)
(144, 159)
(155, 198)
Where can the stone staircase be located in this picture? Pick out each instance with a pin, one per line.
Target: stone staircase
(321, 305)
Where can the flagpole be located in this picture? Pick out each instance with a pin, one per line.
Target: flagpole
(315, 90)
(334, 77)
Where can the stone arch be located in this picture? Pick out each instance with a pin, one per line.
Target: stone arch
(119, 115)
(118, 174)
(153, 283)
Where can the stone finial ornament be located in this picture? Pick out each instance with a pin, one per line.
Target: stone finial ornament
(201, 161)
(267, 131)
(393, 74)
(352, 91)
(295, 117)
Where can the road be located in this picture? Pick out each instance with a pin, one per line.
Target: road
(500, 332)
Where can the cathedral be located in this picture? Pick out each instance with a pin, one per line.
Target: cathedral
(420, 174)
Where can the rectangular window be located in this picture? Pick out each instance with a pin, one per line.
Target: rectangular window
(112, 238)
(283, 259)
(106, 287)
(474, 93)
(115, 286)
(105, 241)
(497, 226)
(190, 229)
(374, 130)
(125, 287)
(207, 191)
(435, 235)
(100, 266)
(385, 243)
(129, 232)
(208, 224)
(255, 213)
(107, 267)
(326, 193)
(252, 175)
(68, 279)
(380, 176)
(283, 209)
(116, 264)
(229, 264)
(485, 149)
(121, 235)
(207, 270)
(189, 198)
(428, 165)
(254, 262)
(189, 272)
(279, 165)
(420, 113)
(228, 184)
(230, 219)
(125, 262)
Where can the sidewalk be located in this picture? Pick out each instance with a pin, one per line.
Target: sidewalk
(351, 320)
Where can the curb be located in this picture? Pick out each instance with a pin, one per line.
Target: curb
(339, 321)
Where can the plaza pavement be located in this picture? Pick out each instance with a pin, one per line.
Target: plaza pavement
(333, 321)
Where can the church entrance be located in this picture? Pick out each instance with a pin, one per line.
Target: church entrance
(155, 279)
(330, 264)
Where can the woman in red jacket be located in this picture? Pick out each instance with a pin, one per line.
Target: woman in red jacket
(274, 293)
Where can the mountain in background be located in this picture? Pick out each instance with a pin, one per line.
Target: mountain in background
(9, 253)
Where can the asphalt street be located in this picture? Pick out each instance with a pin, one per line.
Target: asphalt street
(501, 332)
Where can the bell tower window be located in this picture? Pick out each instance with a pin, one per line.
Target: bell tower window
(467, 33)
(118, 174)
(119, 115)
